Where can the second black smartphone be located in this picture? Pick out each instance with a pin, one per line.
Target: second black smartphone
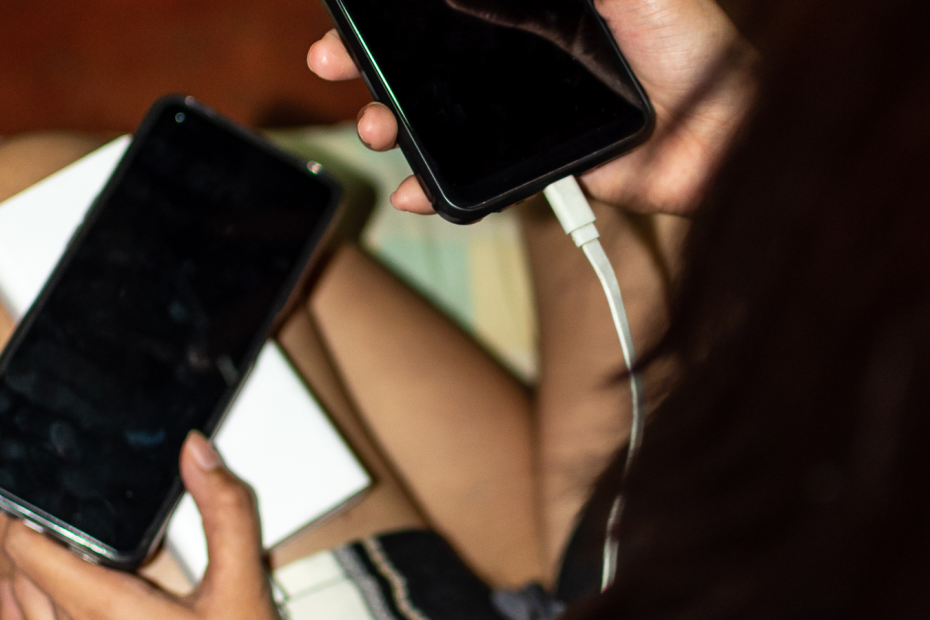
(495, 99)
(149, 325)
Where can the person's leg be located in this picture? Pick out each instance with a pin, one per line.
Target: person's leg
(582, 403)
(454, 423)
(29, 158)
(386, 506)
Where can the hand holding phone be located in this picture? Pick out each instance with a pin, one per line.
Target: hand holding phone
(493, 107)
(46, 576)
(149, 325)
(671, 45)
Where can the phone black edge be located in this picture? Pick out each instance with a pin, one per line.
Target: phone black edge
(79, 542)
(445, 207)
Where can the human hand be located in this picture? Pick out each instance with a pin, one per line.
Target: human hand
(50, 583)
(673, 46)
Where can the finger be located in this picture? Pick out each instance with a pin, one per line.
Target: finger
(329, 59)
(377, 127)
(9, 608)
(33, 602)
(229, 513)
(6, 569)
(76, 586)
(409, 196)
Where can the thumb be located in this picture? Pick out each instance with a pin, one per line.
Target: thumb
(229, 512)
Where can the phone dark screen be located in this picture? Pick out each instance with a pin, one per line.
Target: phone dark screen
(151, 323)
(507, 87)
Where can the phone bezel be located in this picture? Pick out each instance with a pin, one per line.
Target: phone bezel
(83, 544)
(472, 210)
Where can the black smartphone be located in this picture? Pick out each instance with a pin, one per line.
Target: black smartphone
(149, 325)
(495, 99)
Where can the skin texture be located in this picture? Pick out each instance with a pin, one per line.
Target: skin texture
(673, 46)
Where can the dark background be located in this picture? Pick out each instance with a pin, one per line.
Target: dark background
(97, 65)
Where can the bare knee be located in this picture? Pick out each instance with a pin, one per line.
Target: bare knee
(28, 158)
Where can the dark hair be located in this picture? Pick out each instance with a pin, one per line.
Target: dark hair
(786, 475)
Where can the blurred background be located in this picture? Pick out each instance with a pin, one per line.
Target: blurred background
(97, 65)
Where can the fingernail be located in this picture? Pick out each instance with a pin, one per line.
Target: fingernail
(361, 112)
(205, 455)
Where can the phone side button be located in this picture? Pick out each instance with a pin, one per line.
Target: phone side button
(90, 559)
(34, 526)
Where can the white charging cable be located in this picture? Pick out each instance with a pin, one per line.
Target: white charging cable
(574, 213)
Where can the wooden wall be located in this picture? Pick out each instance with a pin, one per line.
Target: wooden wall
(97, 65)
